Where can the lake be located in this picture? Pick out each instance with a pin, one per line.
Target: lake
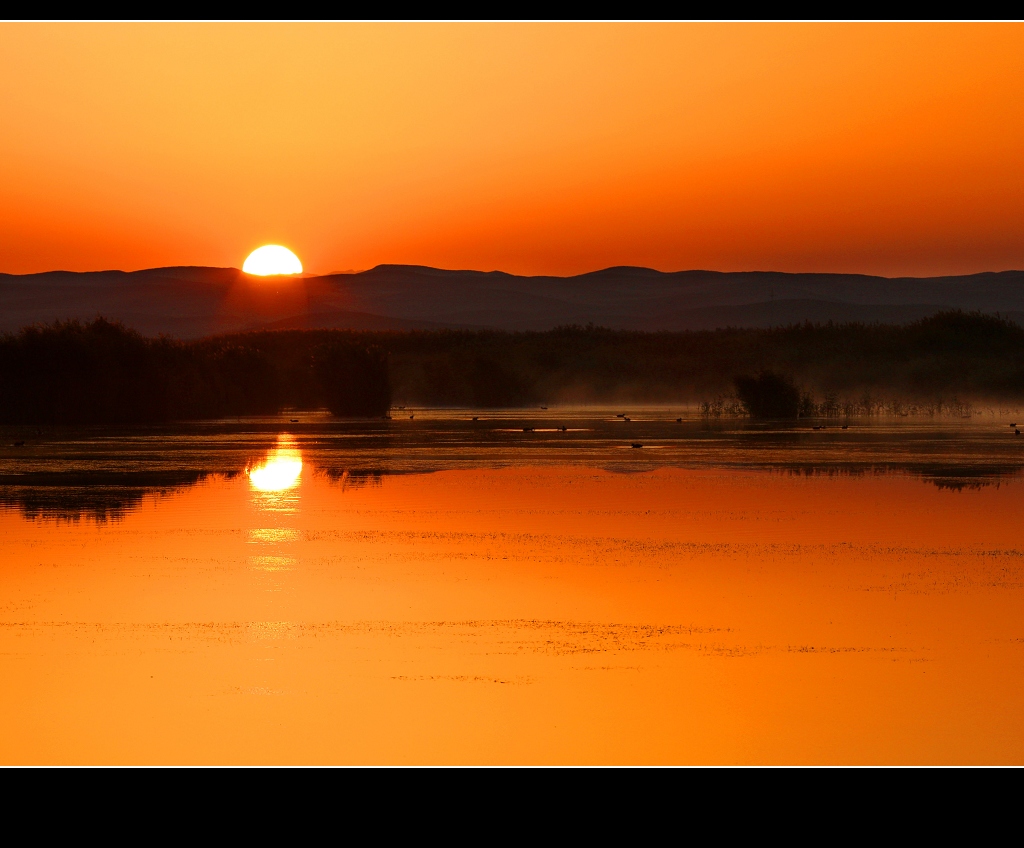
(439, 589)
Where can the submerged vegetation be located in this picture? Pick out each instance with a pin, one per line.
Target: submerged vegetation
(102, 372)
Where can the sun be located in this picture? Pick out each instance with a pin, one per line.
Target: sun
(272, 259)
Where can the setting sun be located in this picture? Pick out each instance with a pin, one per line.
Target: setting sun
(272, 259)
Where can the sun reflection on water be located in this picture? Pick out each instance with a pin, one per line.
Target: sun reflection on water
(280, 470)
(274, 481)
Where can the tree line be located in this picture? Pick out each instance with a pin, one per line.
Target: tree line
(103, 372)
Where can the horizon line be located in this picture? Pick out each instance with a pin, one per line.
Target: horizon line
(351, 273)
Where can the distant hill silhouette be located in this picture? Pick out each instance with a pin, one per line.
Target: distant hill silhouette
(191, 302)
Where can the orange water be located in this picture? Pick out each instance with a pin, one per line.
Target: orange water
(521, 615)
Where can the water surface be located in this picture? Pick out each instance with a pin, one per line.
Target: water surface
(441, 590)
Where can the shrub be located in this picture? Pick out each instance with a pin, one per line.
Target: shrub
(768, 395)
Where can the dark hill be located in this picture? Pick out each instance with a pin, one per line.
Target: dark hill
(191, 302)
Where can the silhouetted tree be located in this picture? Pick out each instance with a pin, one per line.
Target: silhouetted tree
(493, 384)
(69, 372)
(354, 378)
(101, 372)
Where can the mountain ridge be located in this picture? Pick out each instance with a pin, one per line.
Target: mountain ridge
(191, 301)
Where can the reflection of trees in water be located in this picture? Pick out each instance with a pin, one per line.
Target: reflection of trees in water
(955, 478)
(958, 484)
(104, 496)
(353, 478)
(971, 479)
(110, 496)
(99, 496)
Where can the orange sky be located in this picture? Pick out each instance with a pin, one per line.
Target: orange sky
(531, 148)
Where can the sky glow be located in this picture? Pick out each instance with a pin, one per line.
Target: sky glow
(888, 148)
